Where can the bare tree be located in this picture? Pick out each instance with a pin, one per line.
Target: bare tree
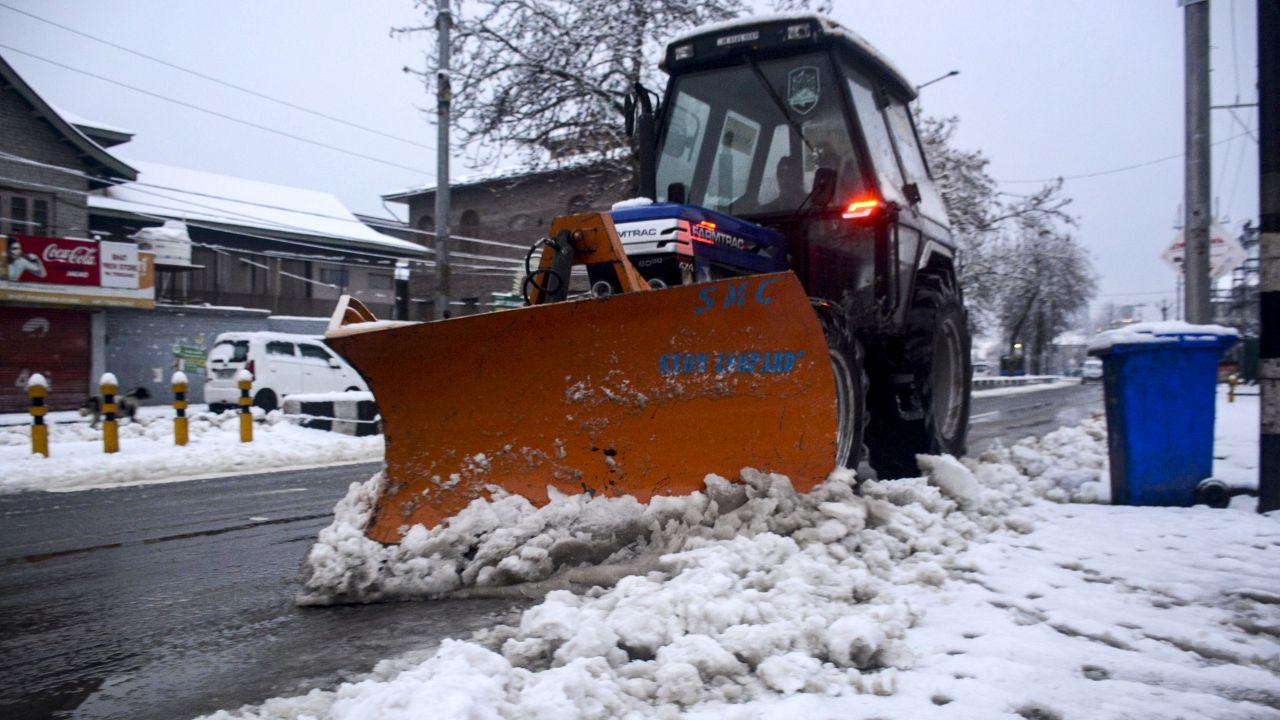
(544, 79)
(1021, 269)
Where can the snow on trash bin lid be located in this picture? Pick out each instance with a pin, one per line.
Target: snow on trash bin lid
(1168, 331)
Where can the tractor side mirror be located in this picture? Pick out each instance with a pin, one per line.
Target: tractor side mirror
(824, 187)
(676, 193)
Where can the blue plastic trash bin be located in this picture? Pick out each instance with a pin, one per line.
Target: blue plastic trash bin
(1160, 381)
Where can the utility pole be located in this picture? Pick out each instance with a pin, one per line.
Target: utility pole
(444, 20)
(1196, 262)
(1269, 252)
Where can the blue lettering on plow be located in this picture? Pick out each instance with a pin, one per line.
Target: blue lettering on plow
(748, 362)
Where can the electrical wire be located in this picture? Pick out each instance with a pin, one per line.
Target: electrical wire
(217, 113)
(133, 184)
(1112, 171)
(219, 81)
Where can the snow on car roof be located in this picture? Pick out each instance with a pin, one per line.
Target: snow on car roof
(199, 196)
(828, 26)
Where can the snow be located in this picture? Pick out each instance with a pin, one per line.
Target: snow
(959, 594)
(178, 377)
(148, 454)
(108, 379)
(1157, 332)
(37, 380)
(829, 26)
(345, 396)
(243, 375)
(81, 121)
(512, 172)
(632, 203)
(202, 197)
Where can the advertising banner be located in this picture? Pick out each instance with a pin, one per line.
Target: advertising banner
(66, 271)
(56, 261)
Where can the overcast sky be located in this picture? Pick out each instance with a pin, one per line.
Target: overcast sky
(1046, 89)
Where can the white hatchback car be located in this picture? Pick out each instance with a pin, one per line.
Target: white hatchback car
(1091, 370)
(281, 364)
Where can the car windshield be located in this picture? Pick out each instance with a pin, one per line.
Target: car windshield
(734, 149)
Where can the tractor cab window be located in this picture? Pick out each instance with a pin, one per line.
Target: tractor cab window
(738, 151)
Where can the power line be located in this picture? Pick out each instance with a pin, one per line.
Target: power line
(216, 113)
(219, 81)
(1112, 171)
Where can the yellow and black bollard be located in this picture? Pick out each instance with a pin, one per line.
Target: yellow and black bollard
(108, 385)
(37, 387)
(245, 380)
(1232, 381)
(179, 382)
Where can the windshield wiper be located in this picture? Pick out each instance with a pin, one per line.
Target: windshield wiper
(782, 106)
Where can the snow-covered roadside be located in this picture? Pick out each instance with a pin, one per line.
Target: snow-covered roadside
(147, 453)
(1061, 382)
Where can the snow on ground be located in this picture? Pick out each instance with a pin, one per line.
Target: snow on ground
(962, 594)
(147, 453)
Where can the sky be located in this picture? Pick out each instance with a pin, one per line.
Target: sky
(1045, 89)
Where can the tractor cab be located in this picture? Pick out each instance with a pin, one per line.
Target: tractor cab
(798, 125)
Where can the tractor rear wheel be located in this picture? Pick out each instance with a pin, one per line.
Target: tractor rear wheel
(937, 352)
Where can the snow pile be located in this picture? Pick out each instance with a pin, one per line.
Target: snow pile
(1066, 465)
(148, 454)
(752, 589)
(961, 594)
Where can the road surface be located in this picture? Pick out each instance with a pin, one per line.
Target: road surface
(169, 601)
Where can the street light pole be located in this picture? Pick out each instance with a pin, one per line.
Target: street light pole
(940, 78)
(1196, 189)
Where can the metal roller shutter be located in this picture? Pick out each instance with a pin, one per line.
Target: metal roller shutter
(51, 341)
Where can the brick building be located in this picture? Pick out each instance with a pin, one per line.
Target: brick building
(513, 206)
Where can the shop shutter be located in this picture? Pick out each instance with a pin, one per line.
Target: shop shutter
(51, 341)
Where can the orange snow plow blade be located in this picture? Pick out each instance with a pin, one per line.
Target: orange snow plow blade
(639, 394)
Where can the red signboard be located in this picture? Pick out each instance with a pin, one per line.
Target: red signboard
(52, 260)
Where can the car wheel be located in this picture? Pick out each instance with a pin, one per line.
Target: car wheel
(265, 399)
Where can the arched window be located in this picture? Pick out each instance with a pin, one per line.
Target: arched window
(428, 223)
(578, 204)
(470, 224)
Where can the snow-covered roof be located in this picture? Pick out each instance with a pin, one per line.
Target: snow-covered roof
(84, 124)
(827, 26)
(197, 196)
(510, 172)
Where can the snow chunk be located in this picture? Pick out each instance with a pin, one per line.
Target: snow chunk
(953, 479)
(108, 379)
(632, 203)
(243, 374)
(178, 377)
(37, 380)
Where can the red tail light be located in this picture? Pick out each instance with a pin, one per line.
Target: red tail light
(859, 209)
(249, 366)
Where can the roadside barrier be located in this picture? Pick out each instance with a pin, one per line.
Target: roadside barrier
(245, 379)
(179, 382)
(985, 383)
(37, 386)
(348, 413)
(108, 386)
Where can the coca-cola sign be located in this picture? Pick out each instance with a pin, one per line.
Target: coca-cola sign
(58, 261)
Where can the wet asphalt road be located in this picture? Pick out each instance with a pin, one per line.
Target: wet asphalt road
(169, 601)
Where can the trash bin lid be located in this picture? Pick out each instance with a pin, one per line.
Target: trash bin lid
(1168, 334)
